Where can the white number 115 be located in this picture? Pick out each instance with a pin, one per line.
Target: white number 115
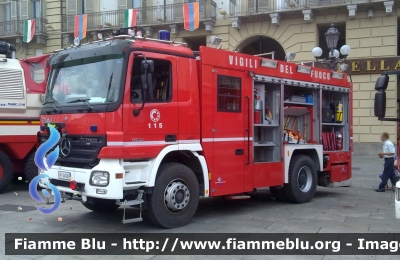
(155, 125)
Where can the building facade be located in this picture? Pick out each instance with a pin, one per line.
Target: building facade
(370, 27)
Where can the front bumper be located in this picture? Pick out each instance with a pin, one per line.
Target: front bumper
(114, 189)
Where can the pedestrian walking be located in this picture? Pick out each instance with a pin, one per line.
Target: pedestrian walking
(388, 154)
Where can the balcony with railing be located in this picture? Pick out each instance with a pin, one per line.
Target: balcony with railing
(251, 7)
(151, 16)
(15, 28)
(246, 7)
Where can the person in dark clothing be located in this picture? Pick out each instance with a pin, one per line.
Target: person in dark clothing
(388, 154)
(396, 171)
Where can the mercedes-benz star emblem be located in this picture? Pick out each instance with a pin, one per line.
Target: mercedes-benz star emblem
(65, 147)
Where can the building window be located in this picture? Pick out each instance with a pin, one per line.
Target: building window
(83, 6)
(6, 11)
(37, 72)
(38, 52)
(136, 3)
(195, 42)
(36, 8)
(322, 29)
(229, 94)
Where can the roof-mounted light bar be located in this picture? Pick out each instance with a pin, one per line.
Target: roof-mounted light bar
(269, 63)
(337, 75)
(303, 69)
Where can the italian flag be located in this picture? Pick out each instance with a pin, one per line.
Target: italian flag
(130, 17)
(29, 30)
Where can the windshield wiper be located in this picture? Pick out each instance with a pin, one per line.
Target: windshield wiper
(52, 104)
(83, 101)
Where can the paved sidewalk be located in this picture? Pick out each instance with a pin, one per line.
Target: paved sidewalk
(355, 209)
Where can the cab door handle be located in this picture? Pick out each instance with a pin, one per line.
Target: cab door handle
(170, 138)
(239, 152)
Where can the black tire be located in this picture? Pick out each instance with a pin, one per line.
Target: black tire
(302, 180)
(6, 171)
(30, 169)
(101, 205)
(180, 182)
(277, 193)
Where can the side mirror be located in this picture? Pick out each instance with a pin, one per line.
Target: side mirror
(382, 82)
(380, 104)
(147, 83)
(147, 86)
(147, 65)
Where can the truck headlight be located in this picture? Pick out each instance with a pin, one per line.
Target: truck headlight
(99, 179)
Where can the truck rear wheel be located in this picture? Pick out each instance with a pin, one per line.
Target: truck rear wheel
(175, 196)
(6, 171)
(30, 169)
(101, 205)
(302, 180)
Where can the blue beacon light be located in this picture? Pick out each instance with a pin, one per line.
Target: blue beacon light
(93, 128)
(164, 35)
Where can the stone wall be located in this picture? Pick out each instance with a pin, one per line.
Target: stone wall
(372, 37)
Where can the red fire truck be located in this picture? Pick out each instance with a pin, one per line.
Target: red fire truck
(151, 123)
(22, 86)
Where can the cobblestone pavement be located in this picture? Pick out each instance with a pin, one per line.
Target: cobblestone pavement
(355, 209)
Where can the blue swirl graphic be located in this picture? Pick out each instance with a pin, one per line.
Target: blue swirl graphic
(35, 195)
(43, 162)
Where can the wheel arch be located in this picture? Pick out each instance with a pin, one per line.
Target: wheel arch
(17, 151)
(186, 155)
(314, 152)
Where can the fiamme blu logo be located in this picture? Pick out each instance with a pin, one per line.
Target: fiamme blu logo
(44, 163)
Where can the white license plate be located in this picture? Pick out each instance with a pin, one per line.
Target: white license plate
(64, 175)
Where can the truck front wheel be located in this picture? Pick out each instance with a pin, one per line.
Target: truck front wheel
(302, 180)
(6, 171)
(175, 196)
(101, 205)
(30, 169)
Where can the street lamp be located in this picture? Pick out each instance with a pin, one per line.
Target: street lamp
(332, 38)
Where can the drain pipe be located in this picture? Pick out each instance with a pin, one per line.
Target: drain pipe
(61, 23)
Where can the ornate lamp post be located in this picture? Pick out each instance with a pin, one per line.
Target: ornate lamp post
(332, 38)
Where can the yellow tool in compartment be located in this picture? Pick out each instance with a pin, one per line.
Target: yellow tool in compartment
(339, 113)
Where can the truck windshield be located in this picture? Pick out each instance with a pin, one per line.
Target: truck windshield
(94, 79)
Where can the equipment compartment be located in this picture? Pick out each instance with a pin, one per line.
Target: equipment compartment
(266, 154)
(301, 113)
(295, 95)
(266, 122)
(335, 133)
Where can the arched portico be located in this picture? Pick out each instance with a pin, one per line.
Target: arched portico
(257, 44)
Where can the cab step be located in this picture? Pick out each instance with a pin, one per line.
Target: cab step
(238, 197)
(138, 201)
